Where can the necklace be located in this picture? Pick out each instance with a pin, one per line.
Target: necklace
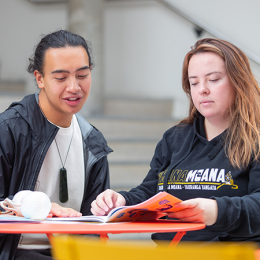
(64, 194)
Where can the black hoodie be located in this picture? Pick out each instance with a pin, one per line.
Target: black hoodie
(25, 137)
(187, 165)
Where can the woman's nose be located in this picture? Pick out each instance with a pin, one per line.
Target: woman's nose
(203, 88)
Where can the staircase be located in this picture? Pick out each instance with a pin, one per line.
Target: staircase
(133, 141)
(132, 129)
(133, 137)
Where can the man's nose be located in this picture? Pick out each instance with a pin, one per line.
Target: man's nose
(73, 85)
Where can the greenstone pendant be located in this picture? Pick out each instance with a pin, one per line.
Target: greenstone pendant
(64, 196)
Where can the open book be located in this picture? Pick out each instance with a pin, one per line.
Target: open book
(155, 207)
(5, 218)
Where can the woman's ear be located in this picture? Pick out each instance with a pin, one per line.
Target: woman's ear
(39, 79)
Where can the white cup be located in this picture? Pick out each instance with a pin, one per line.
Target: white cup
(11, 207)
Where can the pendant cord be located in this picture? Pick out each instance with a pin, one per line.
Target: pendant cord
(55, 138)
(63, 193)
(63, 164)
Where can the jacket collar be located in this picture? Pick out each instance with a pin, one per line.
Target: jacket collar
(29, 110)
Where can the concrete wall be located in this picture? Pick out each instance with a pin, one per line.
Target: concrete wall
(236, 19)
(21, 24)
(145, 44)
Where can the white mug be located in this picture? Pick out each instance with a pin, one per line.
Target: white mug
(28, 204)
(11, 207)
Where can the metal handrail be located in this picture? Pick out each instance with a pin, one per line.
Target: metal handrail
(210, 30)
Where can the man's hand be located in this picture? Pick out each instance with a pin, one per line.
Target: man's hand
(197, 210)
(59, 211)
(106, 201)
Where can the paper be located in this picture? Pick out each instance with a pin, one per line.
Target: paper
(151, 209)
(6, 219)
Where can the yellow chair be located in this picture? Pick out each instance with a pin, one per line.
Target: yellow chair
(75, 248)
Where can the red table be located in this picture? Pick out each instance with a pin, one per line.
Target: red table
(102, 228)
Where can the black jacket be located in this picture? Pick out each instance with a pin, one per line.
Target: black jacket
(187, 165)
(25, 137)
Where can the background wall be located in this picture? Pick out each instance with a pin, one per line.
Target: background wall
(236, 19)
(144, 43)
(21, 25)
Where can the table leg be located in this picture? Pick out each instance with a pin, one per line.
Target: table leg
(177, 239)
(104, 238)
(50, 236)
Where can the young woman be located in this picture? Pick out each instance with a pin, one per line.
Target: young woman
(46, 145)
(211, 159)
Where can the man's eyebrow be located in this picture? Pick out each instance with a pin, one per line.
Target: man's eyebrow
(208, 74)
(66, 71)
(83, 68)
(60, 71)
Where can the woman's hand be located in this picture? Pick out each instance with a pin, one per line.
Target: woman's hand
(197, 210)
(59, 211)
(106, 201)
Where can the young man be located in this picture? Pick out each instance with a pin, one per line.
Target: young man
(46, 146)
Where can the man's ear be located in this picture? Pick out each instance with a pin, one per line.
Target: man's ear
(39, 79)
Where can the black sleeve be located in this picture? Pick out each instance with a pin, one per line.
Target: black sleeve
(6, 165)
(6, 162)
(239, 216)
(98, 182)
(148, 187)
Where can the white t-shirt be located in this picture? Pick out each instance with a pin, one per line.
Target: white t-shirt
(48, 179)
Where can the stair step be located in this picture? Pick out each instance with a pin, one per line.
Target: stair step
(124, 176)
(133, 236)
(15, 87)
(131, 152)
(132, 129)
(138, 108)
(7, 100)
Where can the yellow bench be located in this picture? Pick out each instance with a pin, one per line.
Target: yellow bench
(75, 248)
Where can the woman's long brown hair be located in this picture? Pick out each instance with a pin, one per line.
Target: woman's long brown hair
(243, 137)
